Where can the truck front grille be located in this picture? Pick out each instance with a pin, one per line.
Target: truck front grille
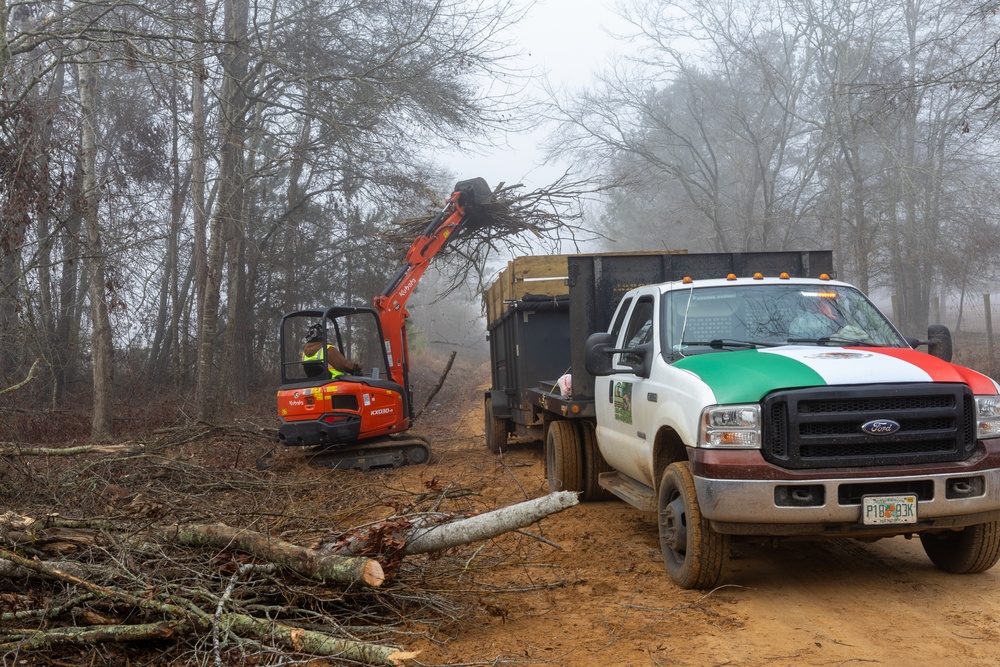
(820, 427)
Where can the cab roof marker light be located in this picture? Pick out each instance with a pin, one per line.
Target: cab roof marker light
(824, 276)
(687, 280)
(783, 276)
(758, 276)
(731, 276)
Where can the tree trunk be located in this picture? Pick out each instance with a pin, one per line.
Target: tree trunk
(101, 340)
(160, 348)
(232, 112)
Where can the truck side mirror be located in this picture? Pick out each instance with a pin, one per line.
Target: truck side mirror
(938, 342)
(597, 353)
(640, 359)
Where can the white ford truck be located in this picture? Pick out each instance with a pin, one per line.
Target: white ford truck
(767, 404)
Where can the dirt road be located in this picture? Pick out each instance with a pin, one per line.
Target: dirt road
(596, 593)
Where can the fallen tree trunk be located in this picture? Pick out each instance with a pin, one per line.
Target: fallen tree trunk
(488, 525)
(10, 449)
(321, 566)
(403, 536)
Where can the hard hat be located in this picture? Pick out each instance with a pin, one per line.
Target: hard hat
(315, 333)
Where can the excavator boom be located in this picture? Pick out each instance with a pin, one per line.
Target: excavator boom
(460, 210)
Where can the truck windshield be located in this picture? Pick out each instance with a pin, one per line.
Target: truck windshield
(711, 319)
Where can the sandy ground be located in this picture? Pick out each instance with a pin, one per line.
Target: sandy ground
(595, 591)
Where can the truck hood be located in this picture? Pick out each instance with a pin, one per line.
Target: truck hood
(746, 376)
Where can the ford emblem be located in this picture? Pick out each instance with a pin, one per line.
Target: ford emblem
(880, 427)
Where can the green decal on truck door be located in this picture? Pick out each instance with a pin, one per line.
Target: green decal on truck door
(623, 402)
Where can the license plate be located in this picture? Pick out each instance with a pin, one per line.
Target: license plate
(881, 510)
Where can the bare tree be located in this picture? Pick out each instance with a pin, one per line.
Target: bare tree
(789, 125)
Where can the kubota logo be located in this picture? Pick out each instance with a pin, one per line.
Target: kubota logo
(407, 287)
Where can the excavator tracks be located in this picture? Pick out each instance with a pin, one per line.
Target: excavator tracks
(388, 452)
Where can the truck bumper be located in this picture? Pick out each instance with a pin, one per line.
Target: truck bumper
(761, 499)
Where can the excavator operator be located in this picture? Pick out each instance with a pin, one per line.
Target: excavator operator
(312, 355)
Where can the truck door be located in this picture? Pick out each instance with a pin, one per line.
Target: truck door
(623, 409)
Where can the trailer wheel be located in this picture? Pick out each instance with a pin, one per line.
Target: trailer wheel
(496, 429)
(563, 457)
(593, 464)
(968, 551)
(695, 555)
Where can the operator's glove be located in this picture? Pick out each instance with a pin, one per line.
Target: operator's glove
(357, 370)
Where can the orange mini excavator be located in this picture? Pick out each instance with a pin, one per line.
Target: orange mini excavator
(356, 419)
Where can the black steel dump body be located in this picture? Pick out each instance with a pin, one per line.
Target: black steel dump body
(540, 311)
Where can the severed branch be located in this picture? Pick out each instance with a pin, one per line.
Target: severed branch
(440, 383)
(26, 380)
(307, 562)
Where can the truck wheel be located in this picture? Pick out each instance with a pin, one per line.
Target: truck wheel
(593, 464)
(563, 460)
(496, 429)
(968, 551)
(695, 555)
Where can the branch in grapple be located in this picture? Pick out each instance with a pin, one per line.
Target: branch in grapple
(510, 220)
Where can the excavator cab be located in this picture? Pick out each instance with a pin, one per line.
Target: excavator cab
(320, 406)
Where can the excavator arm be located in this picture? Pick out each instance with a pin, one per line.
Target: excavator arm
(391, 303)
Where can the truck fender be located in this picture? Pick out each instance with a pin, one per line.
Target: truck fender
(668, 447)
(501, 408)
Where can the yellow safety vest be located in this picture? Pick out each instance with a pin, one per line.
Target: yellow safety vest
(318, 356)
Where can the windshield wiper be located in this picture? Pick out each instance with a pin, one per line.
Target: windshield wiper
(835, 340)
(723, 343)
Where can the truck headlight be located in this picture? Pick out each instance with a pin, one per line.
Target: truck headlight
(987, 417)
(730, 426)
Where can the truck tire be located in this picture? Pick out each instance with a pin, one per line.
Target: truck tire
(593, 464)
(563, 457)
(968, 551)
(496, 429)
(695, 555)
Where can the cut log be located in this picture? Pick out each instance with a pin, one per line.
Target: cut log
(314, 643)
(488, 525)
(321, 566)
(11, 449)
